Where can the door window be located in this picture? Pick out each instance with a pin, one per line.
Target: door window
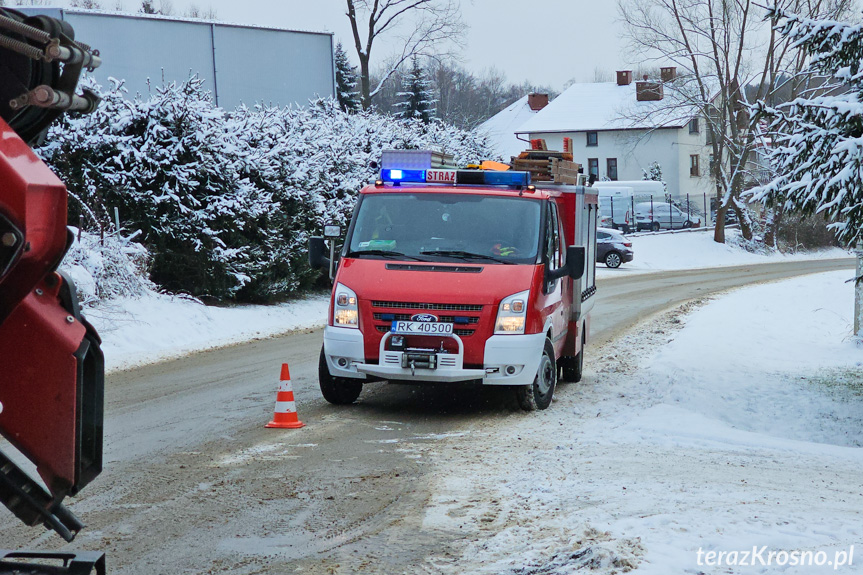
(552, 251)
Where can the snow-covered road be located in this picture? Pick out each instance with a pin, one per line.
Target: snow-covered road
(689, 434)
(642, 463)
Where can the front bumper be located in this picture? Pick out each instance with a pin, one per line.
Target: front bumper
(508, 360)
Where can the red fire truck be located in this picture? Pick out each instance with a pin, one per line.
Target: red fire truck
(451, 275)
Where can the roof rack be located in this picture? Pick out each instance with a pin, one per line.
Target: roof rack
(430, 167)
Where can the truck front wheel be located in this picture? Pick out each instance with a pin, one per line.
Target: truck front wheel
(337, 390)
(538, 394)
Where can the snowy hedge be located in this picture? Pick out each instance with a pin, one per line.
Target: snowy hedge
(226, 200)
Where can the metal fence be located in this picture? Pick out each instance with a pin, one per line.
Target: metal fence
(648, 212)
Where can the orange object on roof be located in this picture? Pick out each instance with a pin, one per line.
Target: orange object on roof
(496, 166)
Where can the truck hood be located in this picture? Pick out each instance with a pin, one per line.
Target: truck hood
(407, 281)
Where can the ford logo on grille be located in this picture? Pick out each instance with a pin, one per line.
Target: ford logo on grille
(426, 317)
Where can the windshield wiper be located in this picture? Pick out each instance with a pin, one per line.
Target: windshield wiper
(384, 253)
(465, 256)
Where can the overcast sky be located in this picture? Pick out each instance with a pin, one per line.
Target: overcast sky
(547, 42)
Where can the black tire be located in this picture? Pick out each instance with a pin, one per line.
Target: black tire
(626, 229)
(571, 368)
(539, 394)
(337, 390)
(655, 227)
(687, 224)
(613, 260)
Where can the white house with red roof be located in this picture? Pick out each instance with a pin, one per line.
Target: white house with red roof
(620, 128)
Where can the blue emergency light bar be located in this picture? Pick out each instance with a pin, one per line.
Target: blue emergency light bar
(465, 177)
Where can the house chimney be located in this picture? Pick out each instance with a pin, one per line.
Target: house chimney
(668, 74)
(624, 77)
(648, 91)
(537, 101)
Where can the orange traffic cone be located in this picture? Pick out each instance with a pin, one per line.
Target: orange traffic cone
(285, 416)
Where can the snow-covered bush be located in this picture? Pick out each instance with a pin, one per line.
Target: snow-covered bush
(227, 201)
(107, 268)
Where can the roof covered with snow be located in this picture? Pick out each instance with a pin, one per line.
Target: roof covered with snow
(606, 106)
(58, 11)
(502, 126)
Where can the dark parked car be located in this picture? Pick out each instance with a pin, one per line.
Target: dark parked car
(612, 248)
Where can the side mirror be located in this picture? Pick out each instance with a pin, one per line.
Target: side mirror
(575, 260)
(317, 253)
(574, 268)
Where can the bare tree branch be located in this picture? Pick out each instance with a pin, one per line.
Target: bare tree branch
(423, 27)
(725, 49)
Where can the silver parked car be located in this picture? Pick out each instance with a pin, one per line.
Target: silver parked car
(663, 216)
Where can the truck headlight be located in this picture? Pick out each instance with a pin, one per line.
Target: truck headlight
(345, 310)
(512, 313)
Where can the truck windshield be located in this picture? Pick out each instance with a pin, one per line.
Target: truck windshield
(447, 227)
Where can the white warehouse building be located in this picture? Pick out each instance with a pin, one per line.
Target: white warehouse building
(239, 64)
(619, 129)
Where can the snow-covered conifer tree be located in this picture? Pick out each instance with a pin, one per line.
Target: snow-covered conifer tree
(416, 100)
(818, 138)
(346, 82)
(653, 172)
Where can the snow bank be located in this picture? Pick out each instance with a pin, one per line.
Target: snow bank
(156, 327)
(738, 426)
(690, 250)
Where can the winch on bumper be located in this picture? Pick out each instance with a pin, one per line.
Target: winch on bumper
(508, 359)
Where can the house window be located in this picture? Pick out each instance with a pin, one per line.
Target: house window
(592, 139)
(593, 167)
(694, 169)
(693, 126)
(611, 165)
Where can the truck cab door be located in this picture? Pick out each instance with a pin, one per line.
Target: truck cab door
(555, 304)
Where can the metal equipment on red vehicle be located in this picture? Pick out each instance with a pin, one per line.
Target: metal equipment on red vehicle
(451, 275)
(51, 364)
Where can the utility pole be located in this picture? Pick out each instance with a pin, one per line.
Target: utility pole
(858, 293)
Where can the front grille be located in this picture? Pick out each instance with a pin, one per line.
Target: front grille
(407, 317)
(427, 306)
(427, 268)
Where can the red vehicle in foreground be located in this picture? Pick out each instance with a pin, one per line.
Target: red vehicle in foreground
(51, 364)
(459, 275)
